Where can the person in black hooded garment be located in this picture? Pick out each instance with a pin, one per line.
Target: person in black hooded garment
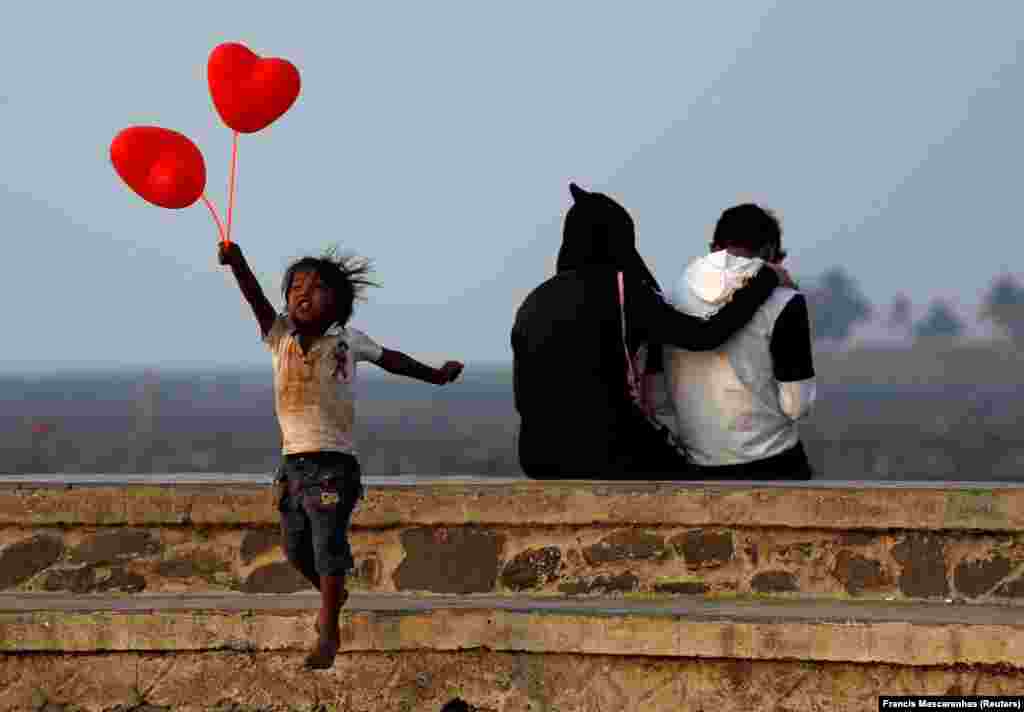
(577, 418)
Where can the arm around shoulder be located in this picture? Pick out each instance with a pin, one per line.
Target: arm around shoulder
(669, 326)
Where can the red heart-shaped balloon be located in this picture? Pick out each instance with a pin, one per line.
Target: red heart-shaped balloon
(249, 92)
(161, 165)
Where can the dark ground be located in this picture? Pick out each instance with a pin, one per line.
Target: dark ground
(929, 414)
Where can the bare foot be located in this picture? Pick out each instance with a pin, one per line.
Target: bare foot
(323, 654)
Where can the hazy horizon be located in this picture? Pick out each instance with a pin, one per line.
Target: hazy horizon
(953, 417)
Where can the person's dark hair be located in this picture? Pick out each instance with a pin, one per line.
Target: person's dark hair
(345, 274)
(750, 227)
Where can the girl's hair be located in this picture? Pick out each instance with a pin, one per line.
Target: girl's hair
(345, 274)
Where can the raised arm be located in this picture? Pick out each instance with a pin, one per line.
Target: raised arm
(663, 324)
(231, 254)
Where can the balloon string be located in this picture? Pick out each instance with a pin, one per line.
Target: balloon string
(231, 186)
(216, 219)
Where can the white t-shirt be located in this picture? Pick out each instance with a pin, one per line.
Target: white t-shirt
(313, 395)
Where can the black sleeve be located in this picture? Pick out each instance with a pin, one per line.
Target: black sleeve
(661, 323)
(792, 357)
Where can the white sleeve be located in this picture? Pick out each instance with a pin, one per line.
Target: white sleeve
(797, 397)
(363, 348)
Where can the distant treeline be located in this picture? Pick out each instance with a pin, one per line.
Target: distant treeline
(837, 304)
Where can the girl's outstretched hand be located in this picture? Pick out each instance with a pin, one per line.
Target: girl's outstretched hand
(449, 372)
(229, 253)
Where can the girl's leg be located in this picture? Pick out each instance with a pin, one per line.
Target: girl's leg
(333, 596)
(303, 561)
(330, 519)
(329, 505)
(297, 537)
(298, 549)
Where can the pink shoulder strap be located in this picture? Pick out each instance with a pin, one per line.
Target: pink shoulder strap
(633, 385)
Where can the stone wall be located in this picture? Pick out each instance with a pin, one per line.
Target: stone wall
(550, 539)
(567, 597)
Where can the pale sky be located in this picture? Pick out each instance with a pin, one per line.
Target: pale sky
(439, 140)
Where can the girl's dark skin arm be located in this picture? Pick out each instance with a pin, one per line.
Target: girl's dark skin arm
(400, 364)
(231, 254)
(663, 324)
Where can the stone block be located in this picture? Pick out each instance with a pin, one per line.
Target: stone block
(774, 582)
(858, 573)
(278, 577)
(703, 549)
(24, 559)
(625, 582)
(923, 561)
(114, 545)
(976, 578)
(449, 560)
(625, 545)
(531, 568)
(257, 542)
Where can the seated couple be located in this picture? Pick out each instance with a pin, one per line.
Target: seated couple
(733, 346)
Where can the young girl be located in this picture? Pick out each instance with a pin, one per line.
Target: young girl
(314, 357)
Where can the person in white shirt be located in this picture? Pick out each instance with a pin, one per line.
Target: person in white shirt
(737, 409)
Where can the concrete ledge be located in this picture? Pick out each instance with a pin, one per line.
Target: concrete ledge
(391, 502)
(917, 635)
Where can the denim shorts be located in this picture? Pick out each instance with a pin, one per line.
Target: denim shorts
(317, 495)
